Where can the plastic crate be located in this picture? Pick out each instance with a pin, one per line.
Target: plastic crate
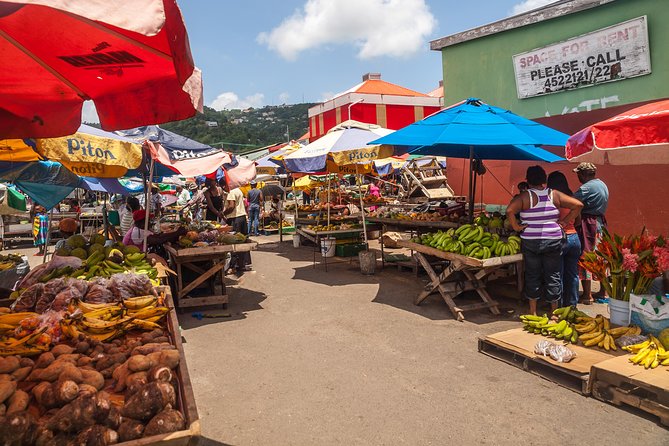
(349, 250)
(288, 230)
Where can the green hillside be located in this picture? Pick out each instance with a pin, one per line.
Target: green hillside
(242, 130)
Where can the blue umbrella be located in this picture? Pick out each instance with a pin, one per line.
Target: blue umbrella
(46, 182)
(475, 130)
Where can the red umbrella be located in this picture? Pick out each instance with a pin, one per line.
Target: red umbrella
(637, 136)
(132, 58)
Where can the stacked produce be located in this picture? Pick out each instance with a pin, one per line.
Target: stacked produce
(9, 261)
(410, 216)
(275, 225)
(560, 326)
(649, 353)
(494, 221)
(597, 331)
(89, 392)
(199, 236)
(472, 241)
(331, 227)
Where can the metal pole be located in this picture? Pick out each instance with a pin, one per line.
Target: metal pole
(362, 207)
(147, 203)
(48, 235)
(328, 198)
(471, 184)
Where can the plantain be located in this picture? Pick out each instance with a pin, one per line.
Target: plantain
(590, 335)
(137, 303)
(595, 340)
(15, 318)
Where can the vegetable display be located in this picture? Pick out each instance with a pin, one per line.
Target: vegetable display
(472, 241)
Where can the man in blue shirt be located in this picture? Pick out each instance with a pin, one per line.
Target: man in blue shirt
(594, 195)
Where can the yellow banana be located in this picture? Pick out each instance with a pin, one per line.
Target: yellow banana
(144, 324)
(590, 335)
(612, 343)
(86, 307)
(137, 303)
(648, 360)
(15, 318)
(605, 341)
(594, 341)
(637, 347)
(636, 359)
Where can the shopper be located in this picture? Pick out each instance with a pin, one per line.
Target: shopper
(594, 195)
(571, 247)
(306, 196)
(256, 201)
(214, 197)
(131, 205)
(182, 195)
(135, 236)
(40, 228)
(541, 233)
(235, 213)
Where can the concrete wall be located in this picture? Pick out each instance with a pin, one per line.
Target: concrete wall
(483, 68)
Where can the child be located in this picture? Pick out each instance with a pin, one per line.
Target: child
(40, 229)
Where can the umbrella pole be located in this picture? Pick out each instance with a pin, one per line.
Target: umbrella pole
(105, 218)
(147, 203)
(328, 199)
(48, 234)
(471, 184)
(362, 208)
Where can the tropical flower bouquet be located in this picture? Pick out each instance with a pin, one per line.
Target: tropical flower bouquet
(626, 265)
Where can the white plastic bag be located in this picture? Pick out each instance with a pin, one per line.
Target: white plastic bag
(649, 312)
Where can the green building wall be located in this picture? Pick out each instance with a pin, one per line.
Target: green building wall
(483, 67)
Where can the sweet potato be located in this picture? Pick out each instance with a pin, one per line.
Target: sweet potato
(84, 361)
(87, 388)
(50, 373)
(6, 377)
(26, 362)
(69, 357)
(109, 371)
(22, 373)
(139, 363)
(86, 410)
(151, 347)
(161, 339)
(9, 364)
(18, 402)
(113, 420)
(44, 360)
(82, 347)
(97, 435)
(92, 378)
(61, 349)
(135, 381)
(160, 373)
(169, 358)
(169, 420)
(65, 391)
(120, 375)
(72, 373)
(109, 360)
(7, 389)
(39, 389)
(3, 410)
(149, 400)
(130, 429)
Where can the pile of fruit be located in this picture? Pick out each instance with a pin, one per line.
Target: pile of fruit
(275, 225)
(221, 236)
(472, 241)
(331, 227)
(649, 353)
(9, 261)
(597, 331)
(495, 221)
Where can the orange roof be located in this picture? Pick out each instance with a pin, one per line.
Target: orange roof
(377, 86)
(437, 92)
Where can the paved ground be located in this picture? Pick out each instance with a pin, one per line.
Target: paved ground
(310, 357)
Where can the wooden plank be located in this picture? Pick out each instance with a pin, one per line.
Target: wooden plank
(209, 251)
(203, 301)
(413, 223)
(470, 261)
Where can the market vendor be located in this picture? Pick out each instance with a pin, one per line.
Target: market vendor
(135, 236)
(214, 196)
(235, 213)
(67, 227)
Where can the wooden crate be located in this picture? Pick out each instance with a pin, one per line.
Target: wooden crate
(516, 347)
(621, 383)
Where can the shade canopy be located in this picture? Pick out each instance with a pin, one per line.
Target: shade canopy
(637, 136)
(347, 143)
(46, 182)
(492, 132)
(131, 58)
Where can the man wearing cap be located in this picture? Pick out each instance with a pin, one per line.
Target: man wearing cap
(255, 198)
(594, 195)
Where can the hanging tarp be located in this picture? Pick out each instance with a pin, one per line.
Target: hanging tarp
(92, 152)
(46, 182)
(107, 185)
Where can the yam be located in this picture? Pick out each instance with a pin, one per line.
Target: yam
(81, 413)
(6, 377)
(26, 362)
(151, 347)
(65, 391)
(61, 349)
(149, 400)
(160, 373)
(109, 360)
(3, 410)
(39, 390)
(169, 420)
(50, 373)
(84, 361)
(82, 347)
(120, 375)
(109, 371)
(69, 357)
(18, 402)
(135, 381)
(15, 427)
(139, 363)
(130, 429)
(72, 374)
(44, 360)
(7, 389)
(113, 421)
(9, 364)
(161, 339)
(97, 435)
(169, 358)
(87, 388)
(93, 378)
(21, 373)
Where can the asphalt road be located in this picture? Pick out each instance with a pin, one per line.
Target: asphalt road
(313, 357)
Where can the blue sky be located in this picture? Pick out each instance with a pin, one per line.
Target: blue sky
(266, 52)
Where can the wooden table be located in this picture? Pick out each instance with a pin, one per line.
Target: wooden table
(191, 259)
(316, 236)
(477, 273)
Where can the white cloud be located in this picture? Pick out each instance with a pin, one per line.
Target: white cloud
(89, 113)
(229, 100)
(283, 97)
(528, 5)
(395, 28)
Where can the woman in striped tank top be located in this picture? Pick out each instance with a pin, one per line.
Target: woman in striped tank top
(542, 235)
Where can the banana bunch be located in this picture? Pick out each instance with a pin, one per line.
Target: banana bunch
(569, 313)
(650, 353)
(9, 261)
(100, 265)
(137, 262)
(17, 336)
(472, 241)
(105, 322)
(7, 265)
(597, 331)
(562, 330)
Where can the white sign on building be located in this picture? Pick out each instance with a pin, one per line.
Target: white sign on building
(610, 54)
